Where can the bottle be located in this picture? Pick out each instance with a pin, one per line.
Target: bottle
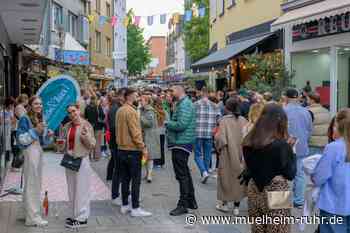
(46, 204)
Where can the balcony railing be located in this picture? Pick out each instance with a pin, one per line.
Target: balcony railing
(294, 4)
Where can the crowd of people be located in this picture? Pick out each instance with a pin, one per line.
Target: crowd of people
(260, 146)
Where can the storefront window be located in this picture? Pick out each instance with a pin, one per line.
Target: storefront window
(2, 126)
(343, 72)
(313, 66)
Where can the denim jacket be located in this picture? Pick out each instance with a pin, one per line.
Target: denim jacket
(26, 134)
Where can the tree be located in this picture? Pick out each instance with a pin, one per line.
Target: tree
(197, 32)
(138, 52)
(268, 73)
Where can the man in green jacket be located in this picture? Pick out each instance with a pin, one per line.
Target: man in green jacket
(181, 137)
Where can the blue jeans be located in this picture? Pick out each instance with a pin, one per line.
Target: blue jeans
(299, 183)
(204, 146)
(334, 228)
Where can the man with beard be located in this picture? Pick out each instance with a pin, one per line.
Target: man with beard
(181, 137)
(130, 147)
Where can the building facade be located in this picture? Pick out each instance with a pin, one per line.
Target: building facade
(177, 60)
(317, 47)
(238, 27)
(101, 35)
(120, 44)
(68, 31)
(20, 23)
(157, 45)
(230, 16)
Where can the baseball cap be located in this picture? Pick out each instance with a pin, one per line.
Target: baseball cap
(292, 93)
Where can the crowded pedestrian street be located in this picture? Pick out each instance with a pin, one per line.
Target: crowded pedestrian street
(158, 197)
(175, 116)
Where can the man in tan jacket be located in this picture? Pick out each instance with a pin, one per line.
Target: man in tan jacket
(321, 120)
(130, 148)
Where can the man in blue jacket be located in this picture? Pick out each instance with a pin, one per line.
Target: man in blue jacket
(299, 127)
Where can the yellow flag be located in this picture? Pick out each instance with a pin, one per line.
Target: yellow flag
(126, 21)
(91, 18)
(176, 18)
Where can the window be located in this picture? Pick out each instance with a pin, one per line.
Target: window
(221, 7)
(231, 3)
(89, 7)
(98, 42)
(108, 9)
(108, 47)
(98, 6)
(72, 24)
(57, 16)
(212, 10)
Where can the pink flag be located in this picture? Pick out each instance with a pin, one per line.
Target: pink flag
(114, 20)
(137, 20)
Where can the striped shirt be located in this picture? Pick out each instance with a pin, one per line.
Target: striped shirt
(208, 114)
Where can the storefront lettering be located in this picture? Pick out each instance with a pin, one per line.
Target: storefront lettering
(323, 27)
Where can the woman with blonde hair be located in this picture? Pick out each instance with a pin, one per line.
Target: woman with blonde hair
(253, 116)
(332, 175)
(151, 133)
(32, 134)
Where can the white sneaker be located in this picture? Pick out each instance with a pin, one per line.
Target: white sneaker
(222, 208)
(211, 170)
(236, 211)
(140, 213)
(124, 209)
(205, 177)
(37, 223)
(117, 201)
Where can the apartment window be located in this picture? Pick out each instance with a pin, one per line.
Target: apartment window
(57, 16)
(213, 10)
(72, 24)
(98, 6)
(89, 7)
(108, 9)
(98, 42)
(231, 3)
(221, 7)
(108, 47)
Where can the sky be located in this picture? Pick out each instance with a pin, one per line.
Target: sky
(145, 8)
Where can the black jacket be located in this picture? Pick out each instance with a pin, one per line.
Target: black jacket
(95, 116)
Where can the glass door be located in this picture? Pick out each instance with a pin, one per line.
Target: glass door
(343, 77)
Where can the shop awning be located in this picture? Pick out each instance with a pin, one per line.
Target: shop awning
(312, 12)
(223, 55)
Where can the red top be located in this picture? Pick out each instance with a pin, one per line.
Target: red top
(71, 137)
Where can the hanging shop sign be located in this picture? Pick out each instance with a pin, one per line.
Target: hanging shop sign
(72, 57)
(323, 27)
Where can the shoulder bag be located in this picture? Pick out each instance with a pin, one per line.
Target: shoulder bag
(71, 163)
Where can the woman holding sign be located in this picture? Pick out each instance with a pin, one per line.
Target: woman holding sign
(32, 134)
(80, 140)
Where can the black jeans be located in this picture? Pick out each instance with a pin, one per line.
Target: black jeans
(130, 164)
(115, 164)
(161, 161)
(183, 176)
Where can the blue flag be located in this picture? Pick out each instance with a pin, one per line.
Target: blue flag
(102, 20)
(201, 12)
(188, 15)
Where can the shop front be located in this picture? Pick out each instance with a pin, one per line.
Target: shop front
(317, 49)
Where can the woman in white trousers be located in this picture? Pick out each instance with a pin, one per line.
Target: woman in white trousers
(80, 141)
(32, 134)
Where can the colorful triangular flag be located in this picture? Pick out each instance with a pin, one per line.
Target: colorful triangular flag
(137, 20)
(114, 20)
(201, 12)
(188, 15)
(150, 20)
(126, 22)
(163, 19)
(91, 18)
(102, 20)
(195, 10)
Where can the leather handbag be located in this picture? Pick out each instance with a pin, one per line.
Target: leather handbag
(71, 163)
(279, 199)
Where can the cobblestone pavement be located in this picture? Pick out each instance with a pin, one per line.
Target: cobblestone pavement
(159, 197)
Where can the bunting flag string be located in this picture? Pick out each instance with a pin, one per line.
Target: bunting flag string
(164, 18)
